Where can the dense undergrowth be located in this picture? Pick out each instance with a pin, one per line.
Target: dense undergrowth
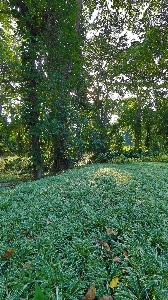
(87, 226)
(15, 169)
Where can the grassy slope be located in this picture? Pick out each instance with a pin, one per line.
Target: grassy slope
(57, 225)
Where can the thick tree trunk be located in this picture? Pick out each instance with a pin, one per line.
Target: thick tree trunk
(32, 108)
(30, 79)
(60, 161)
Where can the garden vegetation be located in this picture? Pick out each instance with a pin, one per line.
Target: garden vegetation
(102, 224)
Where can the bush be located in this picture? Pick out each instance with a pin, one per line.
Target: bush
(126, 156)
(14, 168)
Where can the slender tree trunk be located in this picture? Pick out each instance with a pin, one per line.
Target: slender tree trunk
(138, 125)
(0, 124)
(34, 131)
(148, 136)
(79, 14)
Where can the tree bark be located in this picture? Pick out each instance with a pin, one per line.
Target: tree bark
(138, 124)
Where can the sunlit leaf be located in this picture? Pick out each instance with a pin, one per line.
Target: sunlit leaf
(90, 295)
(114, 282)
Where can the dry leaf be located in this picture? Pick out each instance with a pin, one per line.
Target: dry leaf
(107, 255)
(26, 232)
(106, 298)
(31, 238)
(105, 245)
(117, 259)
(8, 253)
(111, 231)
(48, 222)
(114, 282)
(90, 295)
(125, 252)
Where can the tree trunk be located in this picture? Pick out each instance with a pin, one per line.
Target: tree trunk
(32, 108)
(79, 13)
(60, 161)
(138, 125)
(148, 136)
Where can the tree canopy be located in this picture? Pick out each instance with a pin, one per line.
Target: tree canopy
(69, 67)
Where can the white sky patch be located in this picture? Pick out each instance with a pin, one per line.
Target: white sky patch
(113, 119)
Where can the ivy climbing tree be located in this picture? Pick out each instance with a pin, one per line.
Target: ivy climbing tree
(50, 53)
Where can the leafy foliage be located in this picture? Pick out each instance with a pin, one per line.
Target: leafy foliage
(38, 294)
(68, 67)
(14, 169)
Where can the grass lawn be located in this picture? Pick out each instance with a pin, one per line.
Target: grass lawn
(90, 225)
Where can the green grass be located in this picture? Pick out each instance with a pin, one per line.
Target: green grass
(57, 226)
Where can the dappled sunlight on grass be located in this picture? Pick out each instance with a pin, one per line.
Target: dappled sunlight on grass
(112, 174)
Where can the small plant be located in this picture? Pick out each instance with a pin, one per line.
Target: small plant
(38, 294)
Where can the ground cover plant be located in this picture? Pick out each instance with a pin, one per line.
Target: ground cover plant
(102, 224)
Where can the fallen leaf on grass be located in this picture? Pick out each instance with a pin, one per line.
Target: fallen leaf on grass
(105, 245)
(100, 243)
(107, 255)
(114, 282)
(26, 232)
(106, 298)
(90, 295)
(48, 222)
(8, 253)
(117, 259)
(111, 231)
(126, 253)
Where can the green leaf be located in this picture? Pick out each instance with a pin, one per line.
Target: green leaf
(39, 294)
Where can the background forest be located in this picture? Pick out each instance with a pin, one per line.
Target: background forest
(82, 77)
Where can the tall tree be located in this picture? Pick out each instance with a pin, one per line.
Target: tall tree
(50, 54)
(9, 80)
